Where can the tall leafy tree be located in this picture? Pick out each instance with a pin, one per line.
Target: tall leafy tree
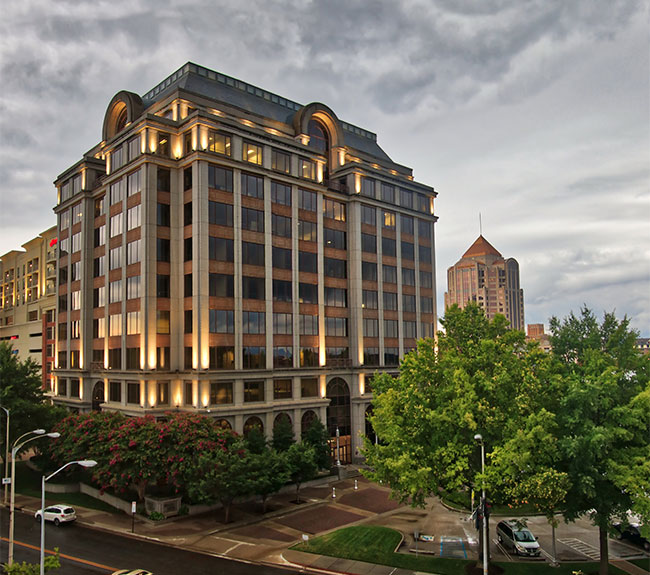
(22, 394)
(223, 473)
(282, 434)
(603, 419)
(269, 472)
(482, 378)
(301, 462)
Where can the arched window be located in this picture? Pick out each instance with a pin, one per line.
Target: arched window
(251, 422)
(318, 136)
(98, 395)
(338, 411)
(120, 122)
(223, 424)
(307, 419)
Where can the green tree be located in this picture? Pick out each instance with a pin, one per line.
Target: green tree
(282, 434)
(50, 562)
(316, 435)
(269, 472)
(22, 394)
(223, 473)
(603, 419)
(255, 440)
(301, 461)
(483, 378)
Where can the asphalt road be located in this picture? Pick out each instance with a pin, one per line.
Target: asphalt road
(86, 551)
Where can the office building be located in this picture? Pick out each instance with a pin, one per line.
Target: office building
(484, 277)
(28, 301)
(228, 251)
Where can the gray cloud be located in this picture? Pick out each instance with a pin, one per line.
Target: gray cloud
(534, 113)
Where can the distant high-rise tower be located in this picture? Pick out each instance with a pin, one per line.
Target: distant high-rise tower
(483, 276)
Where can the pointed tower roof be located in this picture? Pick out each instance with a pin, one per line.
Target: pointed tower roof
(481, 247)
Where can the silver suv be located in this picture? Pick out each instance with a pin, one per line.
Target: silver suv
(515, 536)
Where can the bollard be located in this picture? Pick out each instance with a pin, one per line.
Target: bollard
(333, 492)
(356, 485)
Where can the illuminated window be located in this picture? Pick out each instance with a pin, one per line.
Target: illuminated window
(307, 169)
(133, 323)
(389, 220)
(252, 153)
(162, 321)
(218, 143)
(115, 325)
(333, 209)
(134, 148)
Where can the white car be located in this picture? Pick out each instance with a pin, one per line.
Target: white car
(57, 513)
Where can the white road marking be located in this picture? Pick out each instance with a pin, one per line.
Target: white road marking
(582, 547)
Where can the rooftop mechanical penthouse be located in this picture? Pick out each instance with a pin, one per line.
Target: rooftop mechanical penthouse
(227, 251)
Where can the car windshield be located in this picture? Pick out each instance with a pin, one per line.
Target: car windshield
(524, 536)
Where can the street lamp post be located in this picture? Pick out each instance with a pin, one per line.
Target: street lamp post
(478, 437)
(38, 433)
(83, 463)
(6, 453)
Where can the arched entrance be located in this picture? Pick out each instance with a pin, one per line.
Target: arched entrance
(338, 419)
(98, 396)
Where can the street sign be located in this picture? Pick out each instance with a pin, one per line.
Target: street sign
(6, 480)
(134, 506)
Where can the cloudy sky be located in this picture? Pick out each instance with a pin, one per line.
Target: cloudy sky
(534, 113)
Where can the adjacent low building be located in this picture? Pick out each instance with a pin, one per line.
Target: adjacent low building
(483, 276)
(229, 251)
(28, 301)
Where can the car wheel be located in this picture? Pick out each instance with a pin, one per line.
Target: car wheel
(56, 521)
(646, 545)
(619, 535)
(38, 518)
(499, 538)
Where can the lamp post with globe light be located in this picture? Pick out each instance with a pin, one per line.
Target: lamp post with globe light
(17, 446)
(83, 463)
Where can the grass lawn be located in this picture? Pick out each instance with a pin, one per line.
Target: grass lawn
(643, 563)
(375, 544)
(28, 482)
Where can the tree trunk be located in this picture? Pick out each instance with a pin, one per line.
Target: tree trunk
(226, 510)
(604, 551)
(297, 492)
(264, 497)
(553, 535)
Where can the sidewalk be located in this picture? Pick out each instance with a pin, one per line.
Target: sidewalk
(266, 538)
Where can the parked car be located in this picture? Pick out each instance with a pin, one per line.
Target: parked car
(631, 532)
(514, 536)
(57, 513)
(132, 572)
